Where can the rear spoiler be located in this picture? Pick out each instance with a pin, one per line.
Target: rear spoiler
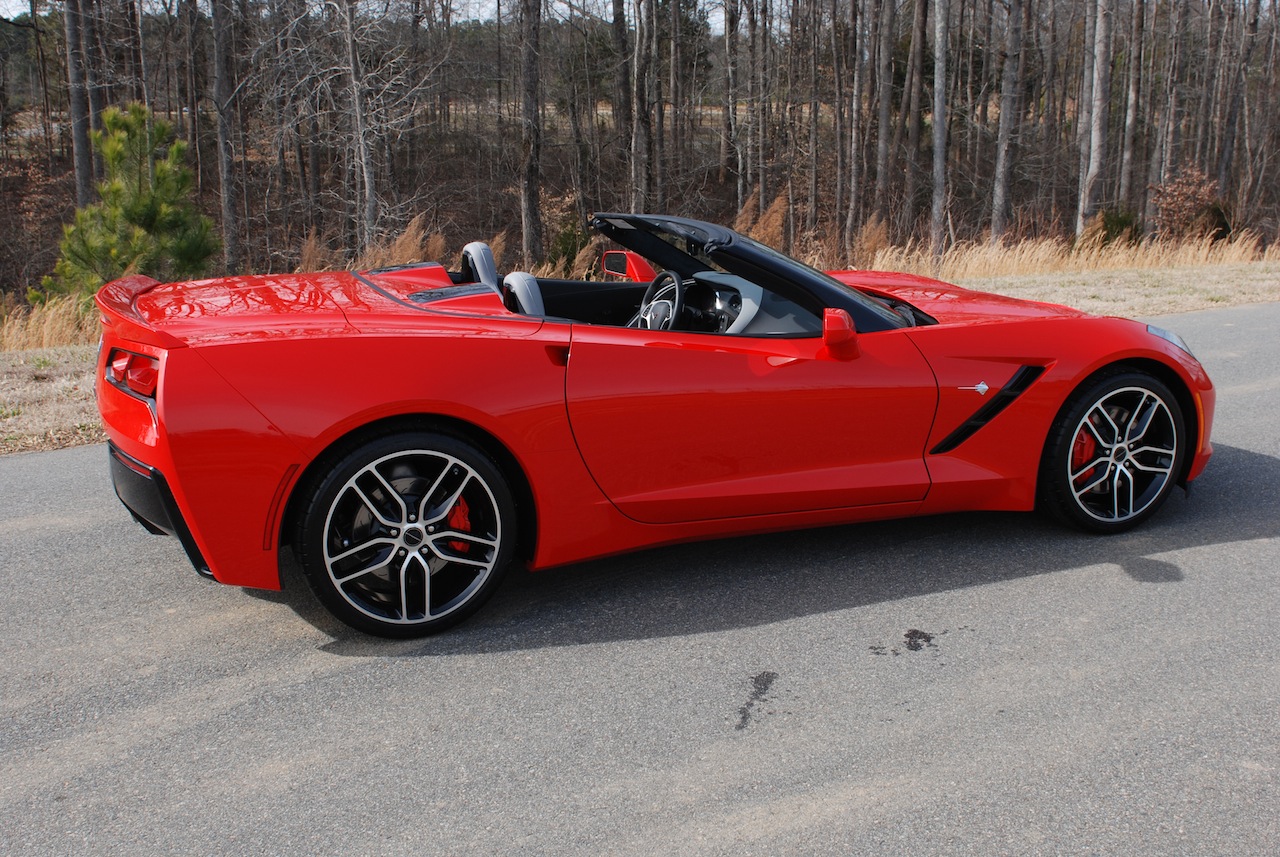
(117, 300)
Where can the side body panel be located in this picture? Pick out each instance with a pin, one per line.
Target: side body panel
(997, 467)
(680, 427)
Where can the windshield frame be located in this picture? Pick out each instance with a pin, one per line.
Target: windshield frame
(657, 238)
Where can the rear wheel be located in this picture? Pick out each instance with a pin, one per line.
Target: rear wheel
(1114, 454)
(407, 534)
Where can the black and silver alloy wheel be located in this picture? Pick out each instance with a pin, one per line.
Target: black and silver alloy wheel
(1115, 453)
(408, 534)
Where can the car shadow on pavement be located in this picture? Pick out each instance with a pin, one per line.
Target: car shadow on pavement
(757, 580)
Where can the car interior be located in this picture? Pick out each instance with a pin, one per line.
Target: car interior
(704, 301)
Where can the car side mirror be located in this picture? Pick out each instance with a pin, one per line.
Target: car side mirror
(615, 262)
(838, 334)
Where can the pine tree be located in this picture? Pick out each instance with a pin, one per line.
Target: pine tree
(145, 222)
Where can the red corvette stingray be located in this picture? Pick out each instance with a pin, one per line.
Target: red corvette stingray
(411, 432)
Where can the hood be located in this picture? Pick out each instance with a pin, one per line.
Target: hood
(950, 304)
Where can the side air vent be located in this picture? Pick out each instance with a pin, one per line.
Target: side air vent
(1021, 380)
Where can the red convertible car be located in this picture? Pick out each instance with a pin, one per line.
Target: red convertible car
(410, 433)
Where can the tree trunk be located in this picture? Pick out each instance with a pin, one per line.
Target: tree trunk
(531, 132)
(852, 218)
(1091, 185)
(91, 53)
(46, 106)
(224, 87)
(78, 102)
(884, 87)
(1131, 102)
(1010, 85)
(1237, 96)
(915, 109)
(368, 219)
(1084, 110)
(622, 116)
(642, 127)
(938, 211)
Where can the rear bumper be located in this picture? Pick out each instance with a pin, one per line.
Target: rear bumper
(145, 493)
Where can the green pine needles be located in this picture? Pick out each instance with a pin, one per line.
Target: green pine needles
(145, 223)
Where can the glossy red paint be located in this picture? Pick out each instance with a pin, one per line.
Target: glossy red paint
(625, 438)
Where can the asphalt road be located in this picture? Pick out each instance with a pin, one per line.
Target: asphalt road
(972, 684)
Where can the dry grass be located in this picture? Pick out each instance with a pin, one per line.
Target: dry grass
(1052, 256)
(47, 400)
(411, 245)
(61, 321)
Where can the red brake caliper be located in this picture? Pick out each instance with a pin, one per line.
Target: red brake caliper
(460, 519)
(1083, 450)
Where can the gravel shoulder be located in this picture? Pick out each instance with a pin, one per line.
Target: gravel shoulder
(47, 394)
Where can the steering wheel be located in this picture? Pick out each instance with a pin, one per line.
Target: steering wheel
(662, 303)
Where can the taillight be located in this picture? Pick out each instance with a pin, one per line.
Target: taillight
(133, 373)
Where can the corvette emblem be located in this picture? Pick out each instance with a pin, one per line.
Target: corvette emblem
(981, 388)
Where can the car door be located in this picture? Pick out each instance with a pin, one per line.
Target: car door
(677, 426)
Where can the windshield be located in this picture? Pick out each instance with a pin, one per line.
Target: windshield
(689, 247)
(800, 271)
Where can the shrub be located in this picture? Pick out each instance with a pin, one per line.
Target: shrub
(144, 223)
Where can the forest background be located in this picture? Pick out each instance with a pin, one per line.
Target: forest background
(831, 128)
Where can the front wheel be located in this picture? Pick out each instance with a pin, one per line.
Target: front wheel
(1114, 454)
(407, 534)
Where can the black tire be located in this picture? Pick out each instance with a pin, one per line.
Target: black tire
(407, 534)
(1114, 453)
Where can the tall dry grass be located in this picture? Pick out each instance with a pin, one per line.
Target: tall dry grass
(60, 321)
(1050, 256)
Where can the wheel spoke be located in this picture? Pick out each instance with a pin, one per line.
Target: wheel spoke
(404, 586)
(391, 492)
(441, 547)
(1100, 461)
(431, 492)
(447, 506)
(372, 507)
(1123, 491)
(359, 573)
(1142, 417)
(1165, 469)
(1102, 416)
(426, 587)
(362, 546)
(1085, 489)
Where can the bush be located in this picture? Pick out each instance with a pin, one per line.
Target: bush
(145, 223)
(1186, 204)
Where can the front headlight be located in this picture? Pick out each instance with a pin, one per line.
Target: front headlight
(1169, 336)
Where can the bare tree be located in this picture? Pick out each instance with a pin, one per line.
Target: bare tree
(1132, 93)
(884, 98)
(78, 102)
(938, 211)
(362, 144)
(1228, 147)
(531, 131)
(1091, 185)
(1010, 85)
(224, 87)
(860, 59)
